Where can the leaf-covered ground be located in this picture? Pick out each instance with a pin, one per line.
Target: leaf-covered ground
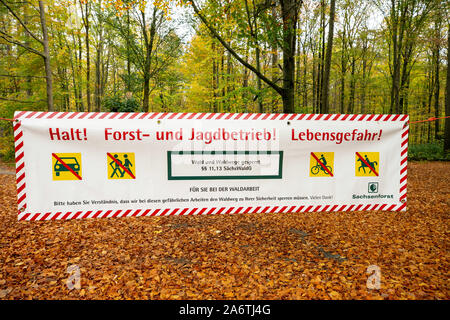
(248, 256)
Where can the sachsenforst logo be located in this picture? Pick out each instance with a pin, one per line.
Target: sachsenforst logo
(373, 187)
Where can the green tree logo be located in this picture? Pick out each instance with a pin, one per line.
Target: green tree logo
(373, 187)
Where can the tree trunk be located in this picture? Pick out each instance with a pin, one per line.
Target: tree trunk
(48, 69)
(27, 37)
(298, 81)
(430, 96)
(314, 82)
(288, 101)
(351, 103)
(146, 97)
(326, 74)
(79, 76)
(343, 74)
(229, 79)
(305, 90)
(72, 67)
(105, 74)
(85, 16)
(289, 9)
(321, 57)
(128, 82)
(394, 23)
(364, 81)
(274, 77)
(437, 57)
(222, 79)
(447, 99)
(404, 83)
(99, 65)
(148, 57)
(258, 80)
(245, 79)
(215, 77)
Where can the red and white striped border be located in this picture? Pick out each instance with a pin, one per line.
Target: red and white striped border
(404, 164)
(204, 211)
(20, 164)
(208, 116)
(20, 167)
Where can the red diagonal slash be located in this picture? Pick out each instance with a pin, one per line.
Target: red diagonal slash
(323, 166)
(373, 170)
(66, 166)
(121, 165)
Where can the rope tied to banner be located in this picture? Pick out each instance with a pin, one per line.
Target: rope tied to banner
(429, 119)
(410, 122)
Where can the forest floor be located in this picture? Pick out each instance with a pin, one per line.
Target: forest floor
(248, 256)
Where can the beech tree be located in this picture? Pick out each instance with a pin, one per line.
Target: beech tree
(43, 41)
(289, 13)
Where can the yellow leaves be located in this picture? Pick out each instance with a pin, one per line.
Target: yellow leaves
(317, 280)
(157, 278)
(335, 295)
(121, 6)
(208, 290)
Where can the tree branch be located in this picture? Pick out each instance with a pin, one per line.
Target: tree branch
(5, 37)
(232, 52)
(21, 101)
(19, 76)
(20, 21)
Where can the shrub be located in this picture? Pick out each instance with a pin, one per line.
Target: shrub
(430, 151)
(7, 148)
(117, 104)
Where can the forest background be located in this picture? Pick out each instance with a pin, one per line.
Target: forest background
(311, 56)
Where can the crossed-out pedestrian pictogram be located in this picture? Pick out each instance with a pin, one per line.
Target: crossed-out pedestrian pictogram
(121, 165)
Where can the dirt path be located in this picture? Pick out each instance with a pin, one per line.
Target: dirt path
(7, 171)
(247, 256)
(7, 168)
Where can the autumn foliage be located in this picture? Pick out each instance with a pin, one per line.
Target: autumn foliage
(248, 256)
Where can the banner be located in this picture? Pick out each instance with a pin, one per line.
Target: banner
(93, 165)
